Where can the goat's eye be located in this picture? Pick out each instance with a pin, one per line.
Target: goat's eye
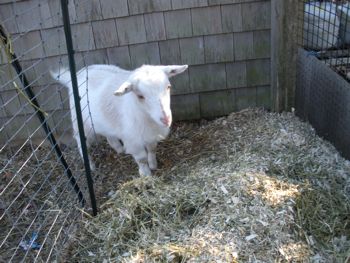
(141, 97)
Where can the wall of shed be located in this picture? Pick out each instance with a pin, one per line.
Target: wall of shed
(226, 43)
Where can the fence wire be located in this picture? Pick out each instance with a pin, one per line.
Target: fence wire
(326, 32)
(39, 204)
(323, 70)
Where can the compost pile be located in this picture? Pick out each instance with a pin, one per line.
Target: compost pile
(251, 187)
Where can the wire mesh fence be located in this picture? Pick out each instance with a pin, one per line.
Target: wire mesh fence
(323, 70)
(42, 179)
(326, 32)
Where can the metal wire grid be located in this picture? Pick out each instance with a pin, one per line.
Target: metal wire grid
(38, 206)
(326, 32)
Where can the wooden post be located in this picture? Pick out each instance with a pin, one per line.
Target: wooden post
(284, 27)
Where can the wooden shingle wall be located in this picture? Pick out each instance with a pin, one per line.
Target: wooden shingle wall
(226, 43)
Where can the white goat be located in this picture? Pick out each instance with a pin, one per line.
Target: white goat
(139, 115)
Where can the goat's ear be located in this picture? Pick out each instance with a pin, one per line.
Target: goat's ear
(174, 69)
(123, 89)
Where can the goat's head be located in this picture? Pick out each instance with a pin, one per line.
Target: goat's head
(150, 87)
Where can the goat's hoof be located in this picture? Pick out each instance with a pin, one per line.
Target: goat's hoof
(153, 165)
(145, 172)
(92, 166)
(120, 150)
(152, 162)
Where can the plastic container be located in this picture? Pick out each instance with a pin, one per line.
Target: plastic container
(321, 26)
(344, 30)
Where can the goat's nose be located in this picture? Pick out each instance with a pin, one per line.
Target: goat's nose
(166, 120)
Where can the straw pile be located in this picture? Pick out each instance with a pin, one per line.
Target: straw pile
(251, 187)
(36, 197)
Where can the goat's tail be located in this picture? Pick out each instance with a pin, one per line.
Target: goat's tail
(62, 76)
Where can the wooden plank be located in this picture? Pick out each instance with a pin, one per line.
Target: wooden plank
(6, 16)
(87, 11)
(119, 56)
(236, 74)
(178, 23)
(95, 57)
(256, 15)
(218, 48)
(53, 41)
(208, 77)
(131, 30)
(185, 107)
(27, 21)
(284, 28)
(206, 20)
(147, 53)
(105, 33)
(258, 72)
(170, 52)
(244, 45)
(155, 28)
(231, 18)
(262, 44)
(181, 4)
(192, 50)
(114, 8)
(29, 46)
(217, 103)
(83, 37)
(180, 84)
(245, 98)
(142, 6)
(263, 97)
(10, 103)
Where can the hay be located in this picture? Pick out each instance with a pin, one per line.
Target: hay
(324, 213)
(36, 197)
(251, 187)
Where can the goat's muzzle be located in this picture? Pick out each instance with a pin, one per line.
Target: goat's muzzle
(166, 120)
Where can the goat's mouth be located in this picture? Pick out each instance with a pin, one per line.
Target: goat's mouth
(166, 121)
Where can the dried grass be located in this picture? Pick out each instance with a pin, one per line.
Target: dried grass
(36, 197)
(250, 187)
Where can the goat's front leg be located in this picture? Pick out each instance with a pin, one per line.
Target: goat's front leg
(88, 143)
(115, 143)
(151, 155)
(140, 155)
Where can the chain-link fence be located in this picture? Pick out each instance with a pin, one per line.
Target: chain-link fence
(326, 32)
(43, 182)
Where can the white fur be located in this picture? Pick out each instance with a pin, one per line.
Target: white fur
(139, 123)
